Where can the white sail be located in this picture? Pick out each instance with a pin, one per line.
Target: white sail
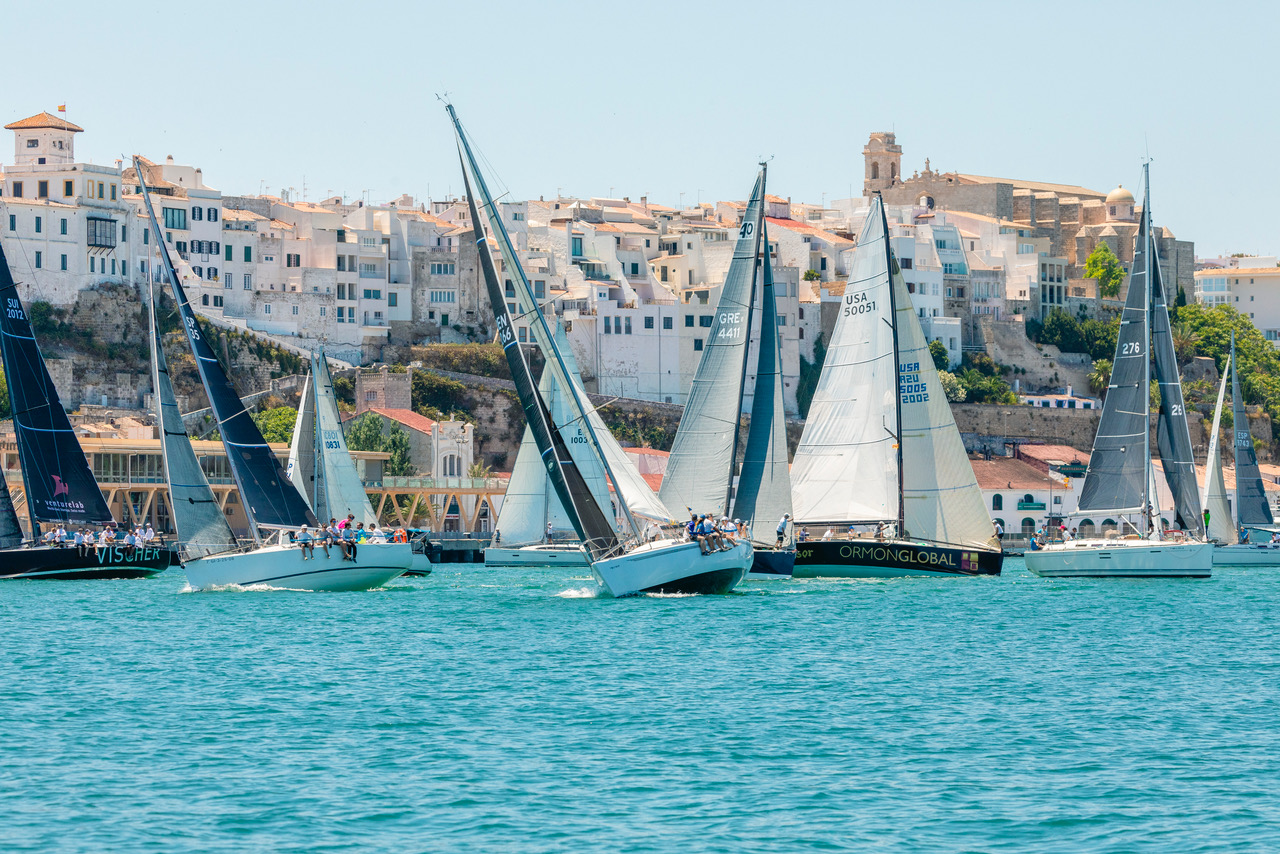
(846, 467)
(530, 502)
(940, 495)
(1221, 527)
(339, 490)
(301, 469)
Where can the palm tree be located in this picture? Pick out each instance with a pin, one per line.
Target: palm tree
(1100, 377)
(1185, 340)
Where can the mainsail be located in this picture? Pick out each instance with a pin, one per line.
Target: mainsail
(764, 484)
(700, 469)
(1172, 434)
(846, 467)
(301, 468)
(270, 499)
(58, 481)
(1116, 479)
(197, 517)
(339, 491)
(1252, 508)
(1215, 488)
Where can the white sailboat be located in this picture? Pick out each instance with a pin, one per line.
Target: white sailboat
(212, 558)
(880, 447)
(624, 562)
(1253, 511)
(1119, 480)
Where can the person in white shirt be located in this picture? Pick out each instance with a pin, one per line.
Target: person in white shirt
(90, 542)
(828, 534)
(149, 535)
(999, 530)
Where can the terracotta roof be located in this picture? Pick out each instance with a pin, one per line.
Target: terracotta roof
(776, 199)
(1009, 473)
(796, 225)
(653, 451)
(1231, 272)
(43, 120)
(654, 481)
(407, 417)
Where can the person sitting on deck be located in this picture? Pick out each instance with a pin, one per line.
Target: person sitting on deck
(828, 534)
(90, 542)
(691, 527)
(803, 535)
(349, 538)
(1244, 535)
(334, 536)
(711, 531)
(882, 530)
(728, 532)
(306, 543)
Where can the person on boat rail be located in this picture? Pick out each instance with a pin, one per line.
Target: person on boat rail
(781, 530)
(306, 543)
(333, 536)
(728, 532)
(349, 539)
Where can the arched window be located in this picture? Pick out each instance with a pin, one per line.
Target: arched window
(1108, 525)
(875, 171)
(1086, 527)
(1028, 527)
(451, 466)
(997, 502)
(893, 171)
(1028, 499)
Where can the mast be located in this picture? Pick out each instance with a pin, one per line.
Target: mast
(897, 375)
(1146, 328)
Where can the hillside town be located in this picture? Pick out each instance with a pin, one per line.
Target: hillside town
(634, 282)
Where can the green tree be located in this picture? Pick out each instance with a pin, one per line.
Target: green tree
(365, 433)
(985, 389)
(479, 469)
(276, 423)
(397, 445)
(809, 374)
(1184, 341)
(1103, 265)
(1063, 331)
(1258, 359)
(344, 389)
(1099, 337)
(952, 387)
(1100, 376)
(941, 359)
(812, 275)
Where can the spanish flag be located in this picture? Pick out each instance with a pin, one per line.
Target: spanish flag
(62, 108)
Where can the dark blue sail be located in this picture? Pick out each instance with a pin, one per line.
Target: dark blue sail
(59, 484)
(1252, 507)
(270, 498)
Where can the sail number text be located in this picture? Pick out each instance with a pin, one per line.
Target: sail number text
(14, 310)
(858, 304)
(1131, 348)
(911, 388)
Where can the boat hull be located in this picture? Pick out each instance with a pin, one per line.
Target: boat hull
(1122, 559)
(1263, 554)
(537, 556)
(666, 566)
(772, 563)
(66, 564)
(283, 566)
(874, 559)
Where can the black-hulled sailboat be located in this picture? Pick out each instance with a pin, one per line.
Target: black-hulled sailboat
(624, 562)
(700, 469)
(270, 500)
(58, 484)
(1253, 516)
(1121, 477)
(880, 449)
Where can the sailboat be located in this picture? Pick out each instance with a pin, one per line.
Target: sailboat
(270, 500)
(320, 465)
(1120, 477)
(58, 484)
(1253, 511)
(700, 469)
(624, 562)
(880, 447)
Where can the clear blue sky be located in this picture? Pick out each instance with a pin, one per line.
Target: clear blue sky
(669, 98)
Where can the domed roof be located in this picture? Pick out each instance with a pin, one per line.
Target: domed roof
(1120, 196)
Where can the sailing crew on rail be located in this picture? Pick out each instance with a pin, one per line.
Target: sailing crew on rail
(782, 529)
(306, 544)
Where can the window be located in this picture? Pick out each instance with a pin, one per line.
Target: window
(697, 345)
(635, 268)
(64, 262)
(181, 246)
(197, 214)
(227, 256)
(539, 289)
(101, 232)
(33, 143)
(292, 260)
(666, 323)
(648, 323)
(688, 320)
(997, 502)
(175, 218)
(342, 262)
(324, 311)
(39, 225)
(628, 326)
(213, 274)
(204, 299)
(199, 271)
(392, 300)
(368, 270)
(295, 311)
(782, 320)
(905, 263)
(691, 277)
(64, 225)
(372, 294)
(577, 244)
(342, 291)
(68, 188)
(248, 254)
(823, 264)
(213, 215)
(704, 320)
(451, 296)
(17, 190)
(248, 282)
(266, 309)
(607, 330)
(39, 260)
(113, 192)
(92, 265)
(42, 189)
(524, 334)
(516, 216)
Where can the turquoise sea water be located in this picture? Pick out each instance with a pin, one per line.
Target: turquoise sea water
(485, 711)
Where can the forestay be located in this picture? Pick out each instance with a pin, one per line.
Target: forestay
(940, 495)
(846, 467)
(60, 486)
(201, 526)
(1215, 497)
(764, 484)
(700, 469)
(1252, 508)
